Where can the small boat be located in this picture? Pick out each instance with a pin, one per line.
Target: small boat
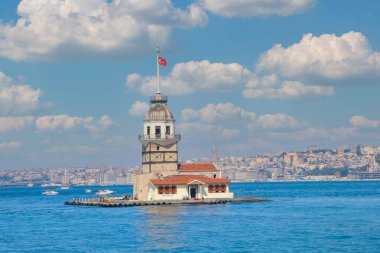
(88, 191)
(104, 192)
(29, 185)
(64, 187)
(50, 193)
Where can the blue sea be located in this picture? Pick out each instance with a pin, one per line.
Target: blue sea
(303, 217)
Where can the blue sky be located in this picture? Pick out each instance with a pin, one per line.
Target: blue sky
(247, 77)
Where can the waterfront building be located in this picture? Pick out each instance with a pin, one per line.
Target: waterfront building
(162, 177)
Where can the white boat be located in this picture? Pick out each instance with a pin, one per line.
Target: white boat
(49, 185)
(104, 192)
(88, 191)
(29, 185)
(50, 193)
(63, 187)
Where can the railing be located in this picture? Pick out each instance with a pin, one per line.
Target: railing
(155, 99)
(160, 136)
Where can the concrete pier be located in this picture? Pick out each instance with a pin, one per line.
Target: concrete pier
(109, 202)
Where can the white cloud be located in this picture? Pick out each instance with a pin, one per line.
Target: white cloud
(16, 97)
(204, 76)
(139, 108)
(189, 77)
(63, 121)
(273, 121)
(228, 113)
(15, 123)
(215, 120)
(66, 122)
(314, 134)
(250, 8)
(55, 29)
(8, 146)
(104, 123)
(271, 87)
(226, 121)
(218, 112)
(327, 56)
(229, 133)
(73, 149)
(361, 121)
(207, 130)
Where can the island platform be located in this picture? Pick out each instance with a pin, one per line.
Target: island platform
(112, 202)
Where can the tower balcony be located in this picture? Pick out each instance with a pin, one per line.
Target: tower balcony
(158, 99)
(161, 139)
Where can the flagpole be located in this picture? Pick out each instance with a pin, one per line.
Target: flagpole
(158, 71)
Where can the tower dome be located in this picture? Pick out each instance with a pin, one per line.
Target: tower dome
(159, 111)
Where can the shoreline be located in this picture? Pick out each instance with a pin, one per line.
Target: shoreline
(233, 182)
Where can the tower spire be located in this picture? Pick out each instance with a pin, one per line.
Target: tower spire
(158, 92)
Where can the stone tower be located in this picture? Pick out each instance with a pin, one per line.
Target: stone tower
(159, 142)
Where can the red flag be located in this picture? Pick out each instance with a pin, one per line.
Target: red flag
(162, 61)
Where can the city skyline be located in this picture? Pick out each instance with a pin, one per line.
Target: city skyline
(246, 77)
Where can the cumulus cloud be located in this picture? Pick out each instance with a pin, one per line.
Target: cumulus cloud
(139, 108)
(204, 76)
(225, 113)
(55, 29)
(328, 56)
(315, 134)
(272, 87)
(208, 130)
(250, 8)
(15, 123)
(8, 146)
(217, 113)
(225, 120)
(72, 149)
(189, 77)
(101, 125)
(361, 121)
(215, 120)
(17, 97)
(279, 120)
(63, 121)
(66, 122)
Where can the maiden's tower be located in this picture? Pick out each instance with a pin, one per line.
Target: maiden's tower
(162, 178)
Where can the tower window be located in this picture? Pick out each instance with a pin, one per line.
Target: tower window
(168, 130)
(158, 147)
(148, 130)
(158, 130)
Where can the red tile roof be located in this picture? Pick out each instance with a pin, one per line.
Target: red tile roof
(187, 179)
(197, 167)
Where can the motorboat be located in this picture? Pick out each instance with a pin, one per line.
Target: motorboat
(104, 192)
(88, 191)
(50, 192)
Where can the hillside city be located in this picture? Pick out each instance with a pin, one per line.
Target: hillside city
(359, 162)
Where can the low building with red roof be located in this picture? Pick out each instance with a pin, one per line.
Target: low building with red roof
(205, 169)
(179, 187)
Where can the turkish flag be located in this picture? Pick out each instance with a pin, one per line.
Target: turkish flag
(162, 61)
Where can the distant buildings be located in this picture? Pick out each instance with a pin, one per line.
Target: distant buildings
(348, 163)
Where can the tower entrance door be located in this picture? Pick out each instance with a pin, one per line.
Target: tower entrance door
(193, 191)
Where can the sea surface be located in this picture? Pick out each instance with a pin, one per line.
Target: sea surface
(303, 217)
